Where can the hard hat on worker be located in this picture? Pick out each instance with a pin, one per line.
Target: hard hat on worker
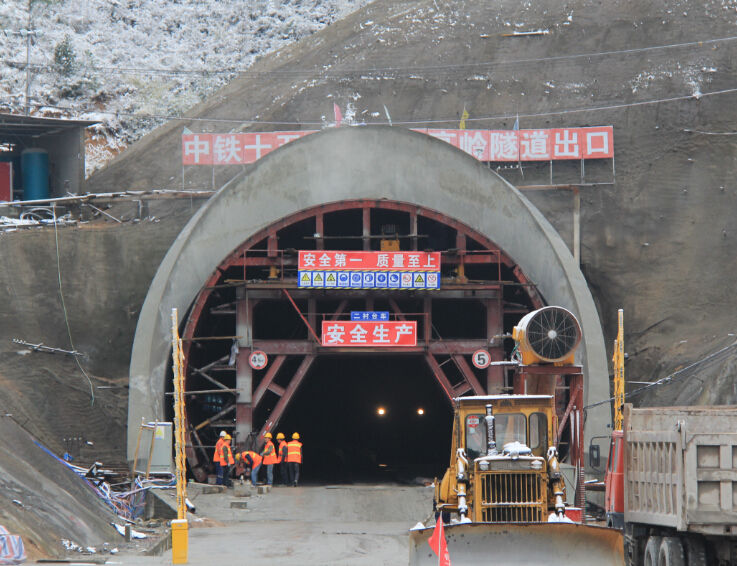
(295, 436)
(227, 436)
(267, 435)
(280, 436)
(238, 457)
(223, 434)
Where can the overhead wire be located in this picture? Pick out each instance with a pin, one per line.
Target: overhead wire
(417, 122)
(64, 307)
(711, 358)
(389, 69)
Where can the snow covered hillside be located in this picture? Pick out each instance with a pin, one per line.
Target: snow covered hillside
(133, 63)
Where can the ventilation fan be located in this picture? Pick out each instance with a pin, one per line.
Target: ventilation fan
(548, 335)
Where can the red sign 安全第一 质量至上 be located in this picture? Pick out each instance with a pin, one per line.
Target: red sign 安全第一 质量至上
(368, 261)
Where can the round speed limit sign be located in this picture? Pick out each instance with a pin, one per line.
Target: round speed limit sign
(481, 359)
(258, 359)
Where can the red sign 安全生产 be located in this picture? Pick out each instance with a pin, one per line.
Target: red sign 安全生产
(368, 261)
(384, 334)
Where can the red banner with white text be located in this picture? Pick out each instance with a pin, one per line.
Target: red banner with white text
(385, 334)
(485, 145)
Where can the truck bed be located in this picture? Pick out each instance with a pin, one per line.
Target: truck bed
(681, 467)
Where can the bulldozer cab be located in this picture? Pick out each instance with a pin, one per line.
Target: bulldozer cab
(525, 419)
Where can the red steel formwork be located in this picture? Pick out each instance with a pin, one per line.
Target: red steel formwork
(261, 270)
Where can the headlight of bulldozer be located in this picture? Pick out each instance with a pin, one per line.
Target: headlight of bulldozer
(536, 464)
(483, 465)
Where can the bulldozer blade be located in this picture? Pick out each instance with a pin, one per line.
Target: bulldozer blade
(533, 544)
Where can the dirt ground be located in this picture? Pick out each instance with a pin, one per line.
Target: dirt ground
(659, 242)
(357, 525)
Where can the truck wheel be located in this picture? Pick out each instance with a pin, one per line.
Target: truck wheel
(652, 549)
(671, 552)
(695, 552)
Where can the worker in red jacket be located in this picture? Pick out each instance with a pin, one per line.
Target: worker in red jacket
(270, 458)
(223, 459)
(294, 458)
(281, 452)
(251, 460)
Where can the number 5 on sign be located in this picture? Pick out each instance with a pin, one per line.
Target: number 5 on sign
(258, 359)
(481, 359)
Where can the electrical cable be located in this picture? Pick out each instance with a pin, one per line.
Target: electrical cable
(338, 73)
(454, 119)
(671, 377)
(64, 307)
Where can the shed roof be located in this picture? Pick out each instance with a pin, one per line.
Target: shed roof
(14, 126)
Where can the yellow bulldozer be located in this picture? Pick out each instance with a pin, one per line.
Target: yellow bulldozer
(503, 496)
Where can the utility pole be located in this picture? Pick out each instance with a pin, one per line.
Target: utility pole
(618, 360)
(28, 60)
(27, 34)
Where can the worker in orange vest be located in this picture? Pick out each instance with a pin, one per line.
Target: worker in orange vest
(251, 460)
(223, 459)
(281, 451)
(294, 458)
(270, 458)
(217, 456)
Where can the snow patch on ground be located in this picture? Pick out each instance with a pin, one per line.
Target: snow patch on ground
(134, 64)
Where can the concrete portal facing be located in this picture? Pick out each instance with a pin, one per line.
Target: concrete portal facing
(359, 163)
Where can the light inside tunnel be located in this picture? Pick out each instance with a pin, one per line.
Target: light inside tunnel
(344, 436)
(381, 411)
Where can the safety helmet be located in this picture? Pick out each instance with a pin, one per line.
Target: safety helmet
(238, 457)
(295, 436)
(223, 434)
(267, 435)
(227, 436)
(280, 436)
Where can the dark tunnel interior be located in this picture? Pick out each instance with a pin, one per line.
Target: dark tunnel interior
(337, 412)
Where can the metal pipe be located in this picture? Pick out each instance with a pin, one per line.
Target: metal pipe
(461, 463)
(490, 432)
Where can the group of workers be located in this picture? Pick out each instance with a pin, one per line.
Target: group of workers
(287, 455)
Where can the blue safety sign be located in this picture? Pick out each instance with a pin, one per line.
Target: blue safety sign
(369, 315)
(368, 280)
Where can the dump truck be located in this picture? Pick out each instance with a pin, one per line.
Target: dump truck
(671, 485)
(503, 496)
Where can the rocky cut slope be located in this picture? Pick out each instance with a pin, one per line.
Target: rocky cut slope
(658, 241)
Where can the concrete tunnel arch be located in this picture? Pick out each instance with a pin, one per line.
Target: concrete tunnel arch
(348, 164)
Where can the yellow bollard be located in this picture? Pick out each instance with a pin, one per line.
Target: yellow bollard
(179, 541)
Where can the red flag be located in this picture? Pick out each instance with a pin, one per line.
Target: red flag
(338, 114)
(438, 543)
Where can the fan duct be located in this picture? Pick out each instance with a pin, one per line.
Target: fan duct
(548, 335)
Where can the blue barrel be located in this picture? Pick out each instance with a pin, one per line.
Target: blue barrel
(34, 164)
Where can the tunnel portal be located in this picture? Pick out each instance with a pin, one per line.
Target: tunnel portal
(231, 274)
(252, 302)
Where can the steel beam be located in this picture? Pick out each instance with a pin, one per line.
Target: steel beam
(214, 418)
(202, 372)
(244, 372)
(273, 289)
(440, 376)
(267, 379)
(494, 327)
(304, 347)
(340, 310)
(468, 374)
(291, 389)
